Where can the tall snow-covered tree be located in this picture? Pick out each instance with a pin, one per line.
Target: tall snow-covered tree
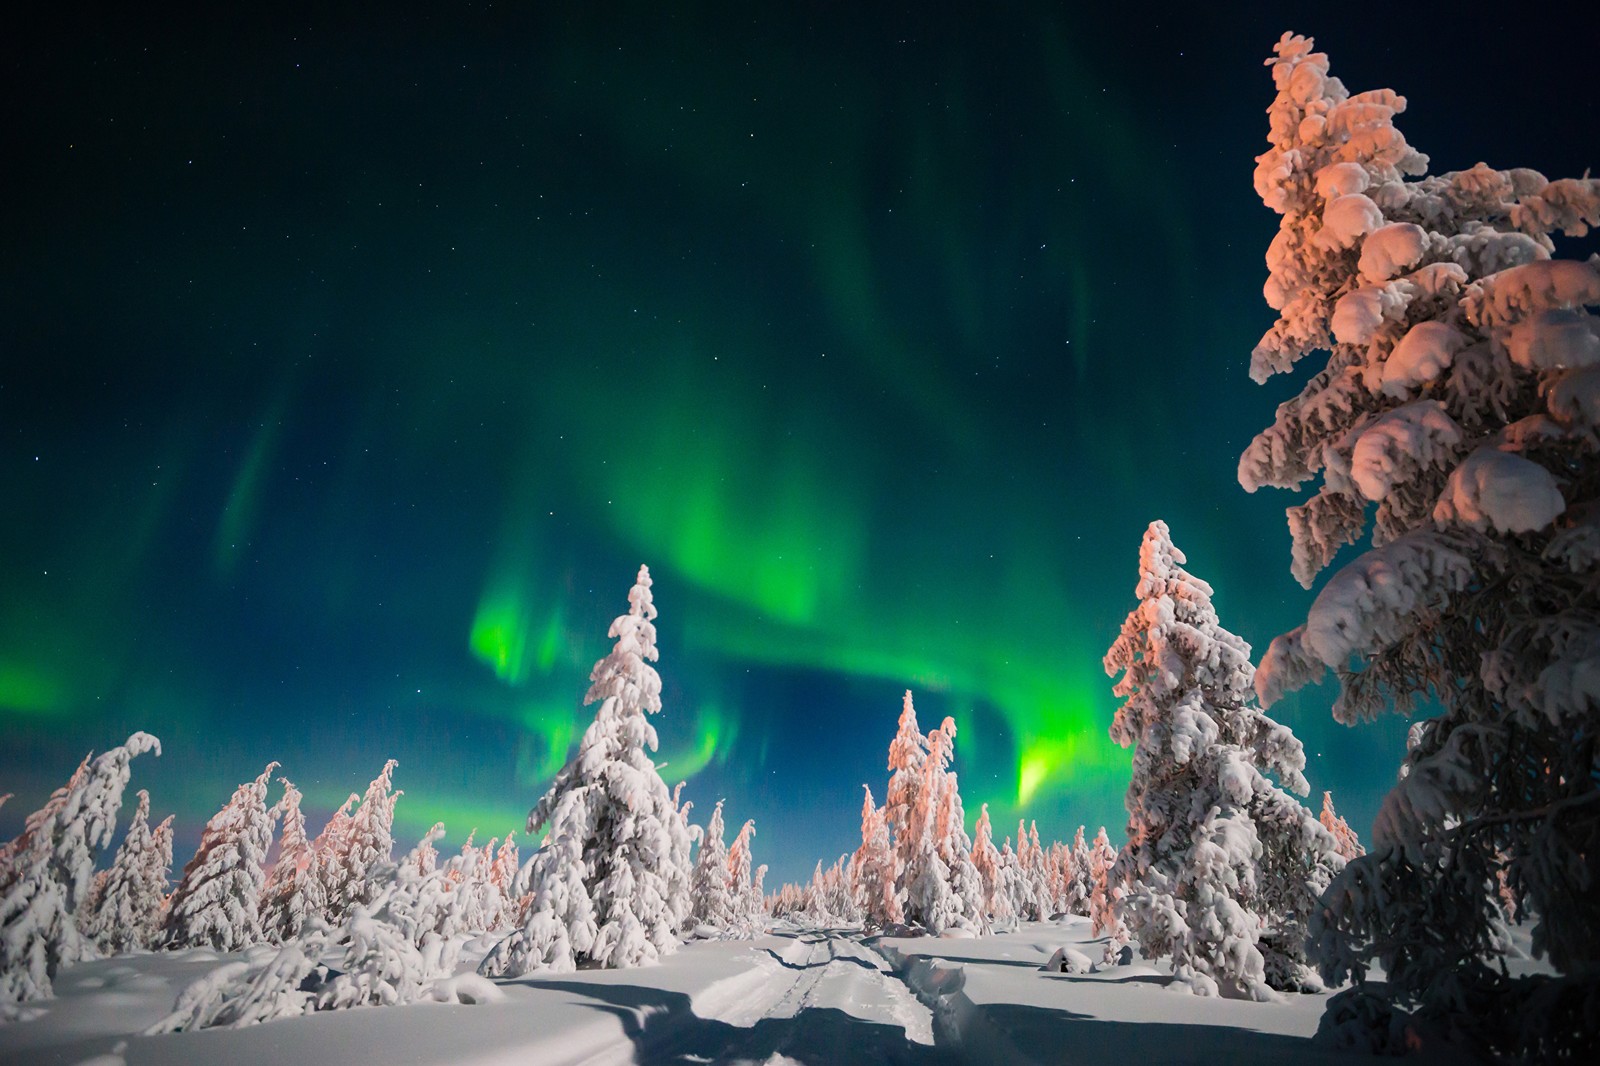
(8, 849)
(160, 870)
(814, 909)
(49, 870)
(787, 902)
(955, 847)
(907, 753)
(126, 914)
(428, 906)
(1222, 867)
(1027, 901)
(841, 892)
(744, 898)
(876, 869)
(1458, 405)
(609, 885)
(293, 893)
(330, 844)
(758, 881)
(359, 846)
(217, 901)
(1013, 883)
(425, 856)
(503, 871)
(1344, 837)
(986, 861)
(926, 877)
(1031, 852)
(941, 887)
(710, 900)
(485, 901)
(934, 877)
(685, 837)
(1078, 892)
(1104, 894)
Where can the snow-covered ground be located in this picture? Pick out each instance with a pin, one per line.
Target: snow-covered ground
(792, 996)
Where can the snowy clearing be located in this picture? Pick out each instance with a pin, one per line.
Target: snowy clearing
(791, 996)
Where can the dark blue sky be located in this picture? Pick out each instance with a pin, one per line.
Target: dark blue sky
(353, 361)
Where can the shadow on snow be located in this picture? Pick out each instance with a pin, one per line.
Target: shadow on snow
(664, 1030)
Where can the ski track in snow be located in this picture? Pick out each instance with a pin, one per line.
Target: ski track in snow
(780, 1005)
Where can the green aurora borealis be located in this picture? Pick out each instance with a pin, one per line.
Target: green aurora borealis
(351, 368)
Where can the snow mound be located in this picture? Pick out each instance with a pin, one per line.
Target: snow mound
(466, 988)
(1069, 960)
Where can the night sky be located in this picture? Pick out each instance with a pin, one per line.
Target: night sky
(350, 365)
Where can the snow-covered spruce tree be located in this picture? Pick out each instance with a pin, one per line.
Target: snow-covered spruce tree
(401, 948)
(876, 869)
(684, 840)
(6, 848)
(786, 902)
(361, 845)
(1105, 895)
(484, 903)
(1030, 854)
(1060, 857)
(819, 896)
(424, 858)
(1013, 885)
(814, 901)
(217, 901)
(428, 906)
(941, 886)
(160, 873)
(293, 892)
(382, 967)
(1344, 838)
(240, 994)
(1039, 871)
(986, 861)
(1078, 891)
(925, 876)
(36, 823)
(609, 886)
(463, 872)
(745, 918)
(503, 877)
(329, 843)
(1026, 897)
(955, 847)
(841, 888)
(1222, 867)
(1460, 396)
(91, 903)
(710, 903)
(127, 910)
(758, 898)
(49, 871)
(907, 753)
